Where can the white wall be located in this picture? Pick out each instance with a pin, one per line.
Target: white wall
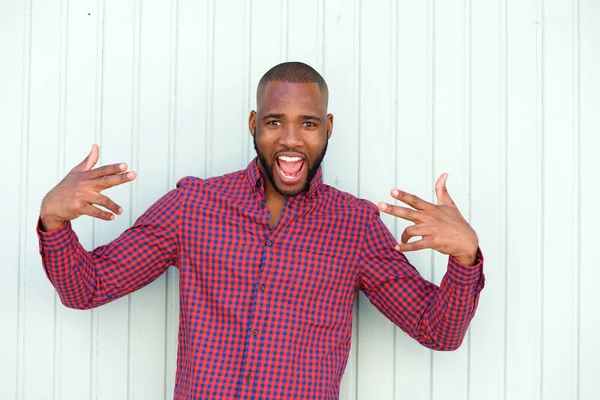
(503, 95)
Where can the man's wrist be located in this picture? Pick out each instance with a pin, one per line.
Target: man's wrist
(469, 258)
(49, 223)
(467, 261)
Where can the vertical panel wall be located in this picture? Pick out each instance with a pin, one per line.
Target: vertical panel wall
(501, 94)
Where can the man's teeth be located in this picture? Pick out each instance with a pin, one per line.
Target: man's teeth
(289, 159)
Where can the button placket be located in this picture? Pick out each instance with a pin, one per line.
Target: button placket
(257, 330)
(254, 342)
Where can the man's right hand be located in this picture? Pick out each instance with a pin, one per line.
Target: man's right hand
(77, 193)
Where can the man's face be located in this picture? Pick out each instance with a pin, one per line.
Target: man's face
(291, 129)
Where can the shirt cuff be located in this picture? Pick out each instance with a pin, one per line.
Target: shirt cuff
(55, 239)
(466, 274)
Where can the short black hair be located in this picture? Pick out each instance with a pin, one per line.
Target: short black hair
(292, 72)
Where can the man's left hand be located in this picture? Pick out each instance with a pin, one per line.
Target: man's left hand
(441, 226)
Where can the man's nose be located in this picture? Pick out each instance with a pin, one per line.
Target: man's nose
(290, 136)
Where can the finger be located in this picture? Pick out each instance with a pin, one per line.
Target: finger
(441, 192)
(108, 181)
(401, 212)
(411, 200)
(107, 203)
(111, 169)
(415, 230)
(416, 245)
(98, 213)
(90, 160)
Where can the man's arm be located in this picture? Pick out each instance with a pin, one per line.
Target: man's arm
(437, 317)
(140, 255)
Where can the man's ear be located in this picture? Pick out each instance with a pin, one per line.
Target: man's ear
(329, 125)
(252, 122)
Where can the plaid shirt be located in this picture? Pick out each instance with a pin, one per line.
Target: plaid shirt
(265, 314)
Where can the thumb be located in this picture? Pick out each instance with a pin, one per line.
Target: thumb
(441, 192)
(91, 160)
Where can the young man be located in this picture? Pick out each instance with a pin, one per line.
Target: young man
(270, 258)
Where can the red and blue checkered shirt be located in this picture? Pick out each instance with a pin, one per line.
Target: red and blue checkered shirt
(265, 313)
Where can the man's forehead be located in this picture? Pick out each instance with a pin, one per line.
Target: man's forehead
(279, 93)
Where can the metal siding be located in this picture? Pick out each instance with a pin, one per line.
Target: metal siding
(14, 81)
(523, 211)
(414, 169)
(588, 102)
(501, 94)
(488, 191)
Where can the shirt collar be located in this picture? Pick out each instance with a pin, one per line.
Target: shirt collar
(255, 180)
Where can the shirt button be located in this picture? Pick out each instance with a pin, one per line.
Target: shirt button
(248, 377)
(255, 332)
(262, 287)
(269, 243)
(262, 204)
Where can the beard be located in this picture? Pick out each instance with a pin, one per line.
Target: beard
(269, 166)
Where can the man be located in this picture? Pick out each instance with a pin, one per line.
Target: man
(269, 258)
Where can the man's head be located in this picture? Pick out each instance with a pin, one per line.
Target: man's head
(291, 126)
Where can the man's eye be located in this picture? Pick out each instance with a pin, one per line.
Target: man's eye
(274, 123)
(310, 124)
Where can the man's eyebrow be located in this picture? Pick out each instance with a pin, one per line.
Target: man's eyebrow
(278, 116)
(305, 117)
(313, 117)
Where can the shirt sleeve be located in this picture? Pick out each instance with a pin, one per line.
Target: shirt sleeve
(437, 317)
(137, 257)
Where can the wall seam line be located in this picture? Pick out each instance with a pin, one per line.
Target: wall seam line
(505, 216)
(135, 141)
(541, 126)
(577, 120)
(431, 129)
(394, 17)
(170, 279)
(467, 121)
(101, 8)
(208, 168)
(246, 153)
(60, 167)
(358, 86)
(322, 37)
(23, 193)
(286, 7)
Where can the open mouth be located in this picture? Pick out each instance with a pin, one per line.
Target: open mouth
(290, 168)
